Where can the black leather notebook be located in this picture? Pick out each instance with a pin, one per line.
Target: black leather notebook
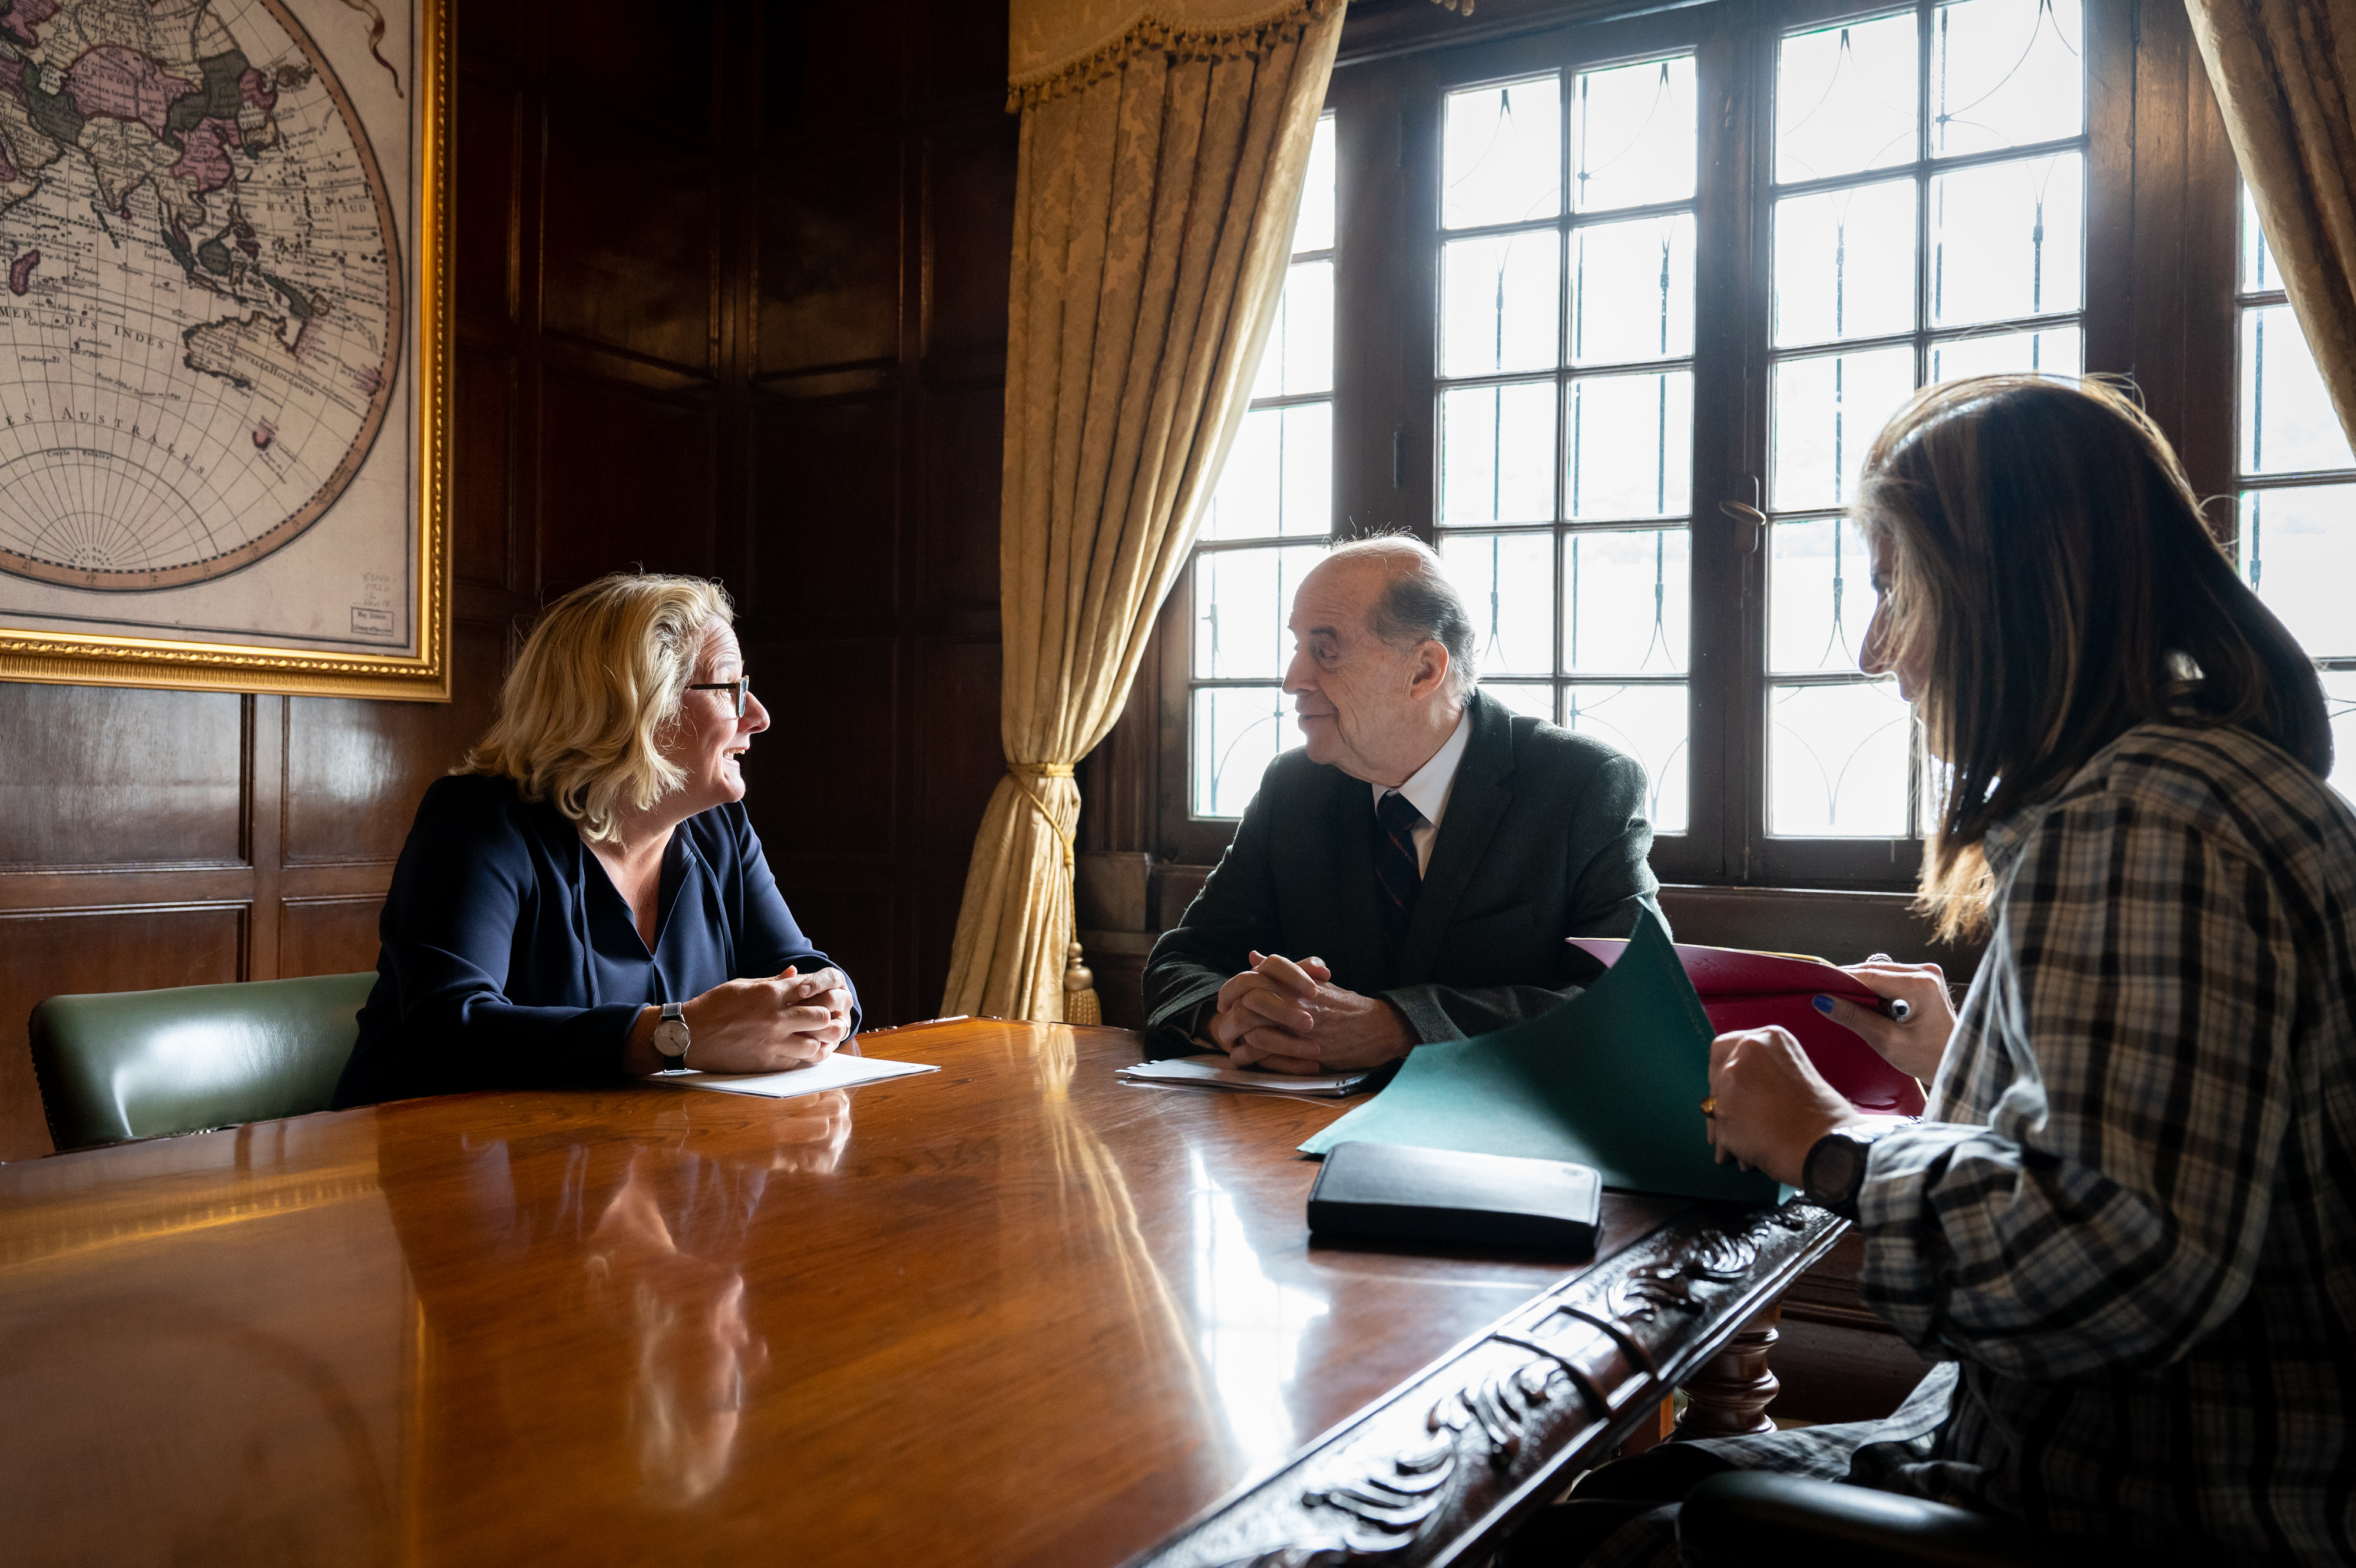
(1392, 1192)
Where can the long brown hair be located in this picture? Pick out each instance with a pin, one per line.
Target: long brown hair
(2043, 539)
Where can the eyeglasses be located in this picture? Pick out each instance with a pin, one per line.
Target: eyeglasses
(742, 686)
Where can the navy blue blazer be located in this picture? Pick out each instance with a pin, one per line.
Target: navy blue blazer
(510, 962)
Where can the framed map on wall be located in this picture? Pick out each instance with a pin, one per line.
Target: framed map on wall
(223, 389)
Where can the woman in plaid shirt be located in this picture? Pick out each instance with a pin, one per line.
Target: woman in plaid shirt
(2125, 1229)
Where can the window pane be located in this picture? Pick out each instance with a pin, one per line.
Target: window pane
(1497, 453)
(1628, 598)
(1501, 153)
(1845, 263)
(1237, 732)
(2005, 73)
(1532, 697)
(2259, 273)
(2287, 424)
(1499, 300)
(1242, 599)
(1837, 757)
(2298, 549)
(1507, 582)
(2058, 351)
(1633, 290)
(1312, 230)
(2007, 240)
(1300, 354)
(1648, 722)
(1827, 412)
(1632, 132)
(1631, 446)
(1845, 98)
(1280, 475)
(1819, 596)
(2339, 701)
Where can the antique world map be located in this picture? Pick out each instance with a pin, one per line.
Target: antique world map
(201, 314)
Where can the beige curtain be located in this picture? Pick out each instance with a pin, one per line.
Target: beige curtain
(1162, 150)
(2284, 72)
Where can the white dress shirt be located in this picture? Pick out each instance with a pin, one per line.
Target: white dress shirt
(1428, 789)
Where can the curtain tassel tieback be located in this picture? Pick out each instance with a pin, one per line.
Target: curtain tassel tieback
(1081, 1003)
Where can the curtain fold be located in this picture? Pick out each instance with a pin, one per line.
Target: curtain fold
(1159, 175)
(2285, 74)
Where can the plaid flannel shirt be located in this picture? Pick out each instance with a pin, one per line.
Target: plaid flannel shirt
(2127, 1226)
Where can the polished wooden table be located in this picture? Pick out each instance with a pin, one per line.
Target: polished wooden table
(1013, 1312)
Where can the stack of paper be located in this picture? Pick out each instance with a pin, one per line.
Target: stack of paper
(837, 1071)
(1214, 1070)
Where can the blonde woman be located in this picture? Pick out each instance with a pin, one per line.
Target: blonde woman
(584, 898)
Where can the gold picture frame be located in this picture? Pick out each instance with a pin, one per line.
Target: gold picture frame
(235, 621)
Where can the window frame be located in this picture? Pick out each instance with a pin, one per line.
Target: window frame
(2152, 141)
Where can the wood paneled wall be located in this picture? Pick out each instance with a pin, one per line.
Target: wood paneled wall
(731, 300)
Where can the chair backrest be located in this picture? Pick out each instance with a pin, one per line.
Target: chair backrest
(140, 1064)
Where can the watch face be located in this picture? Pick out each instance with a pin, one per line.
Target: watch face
(670, 1038)
(1835, 1169)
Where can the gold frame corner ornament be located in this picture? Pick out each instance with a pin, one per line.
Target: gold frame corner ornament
(102, 659)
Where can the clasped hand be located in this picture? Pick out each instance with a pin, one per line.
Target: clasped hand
(792, 1020)
(1290, 1017)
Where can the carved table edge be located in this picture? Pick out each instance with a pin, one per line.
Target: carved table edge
(1441, 1464)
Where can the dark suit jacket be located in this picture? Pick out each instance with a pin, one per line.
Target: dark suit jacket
(510, 962)
(1543, 838)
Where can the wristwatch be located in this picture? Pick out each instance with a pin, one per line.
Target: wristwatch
(1834, 1173)
(671, 1038)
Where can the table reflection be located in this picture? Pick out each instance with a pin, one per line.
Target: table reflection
(629, 1356)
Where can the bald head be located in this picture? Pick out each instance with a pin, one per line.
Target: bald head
(1412, 600)
(1382, 659)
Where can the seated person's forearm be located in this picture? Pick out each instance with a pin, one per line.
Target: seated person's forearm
(639, 1057)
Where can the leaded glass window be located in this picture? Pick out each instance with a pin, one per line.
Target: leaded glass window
(1928, 206)
(1270, 520)
(1566, 398)
(2295, 485)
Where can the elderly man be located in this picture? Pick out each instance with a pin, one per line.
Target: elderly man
(1412, 873)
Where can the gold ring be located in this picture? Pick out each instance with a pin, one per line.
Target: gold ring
(1709, 1105)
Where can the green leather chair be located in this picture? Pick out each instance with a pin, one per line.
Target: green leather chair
(141, 1064)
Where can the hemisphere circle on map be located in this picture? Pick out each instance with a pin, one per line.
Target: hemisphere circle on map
(202, 315)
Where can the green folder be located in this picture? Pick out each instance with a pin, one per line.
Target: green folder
(1613, 1078)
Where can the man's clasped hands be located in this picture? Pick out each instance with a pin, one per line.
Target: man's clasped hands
(1288, 1015)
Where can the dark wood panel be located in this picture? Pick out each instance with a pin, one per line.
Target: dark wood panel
(964, 52)
(91, 775)
(653, 63)
(327, 936)
(961, 438)
(629, 482)
(484, 192)
(836, 796)
(960, 755)
(824, 471)
(969, 234)
(625, 257)
(807, 85)
(356, 770)
(829, 263)
(56, 954)
(481, 478)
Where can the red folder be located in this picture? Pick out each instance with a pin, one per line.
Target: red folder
(1743, 990)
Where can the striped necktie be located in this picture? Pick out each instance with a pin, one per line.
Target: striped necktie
(1395, 867)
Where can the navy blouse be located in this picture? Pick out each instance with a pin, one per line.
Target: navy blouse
(508, 961)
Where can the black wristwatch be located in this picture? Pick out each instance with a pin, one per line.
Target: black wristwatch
(1834, 1173)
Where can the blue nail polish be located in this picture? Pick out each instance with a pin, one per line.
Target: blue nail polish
(1824, 1004)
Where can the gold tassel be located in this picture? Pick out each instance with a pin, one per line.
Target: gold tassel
(1080, 1004)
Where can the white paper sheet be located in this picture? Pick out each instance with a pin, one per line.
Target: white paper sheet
(838, 1071)
(1215, 1072)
